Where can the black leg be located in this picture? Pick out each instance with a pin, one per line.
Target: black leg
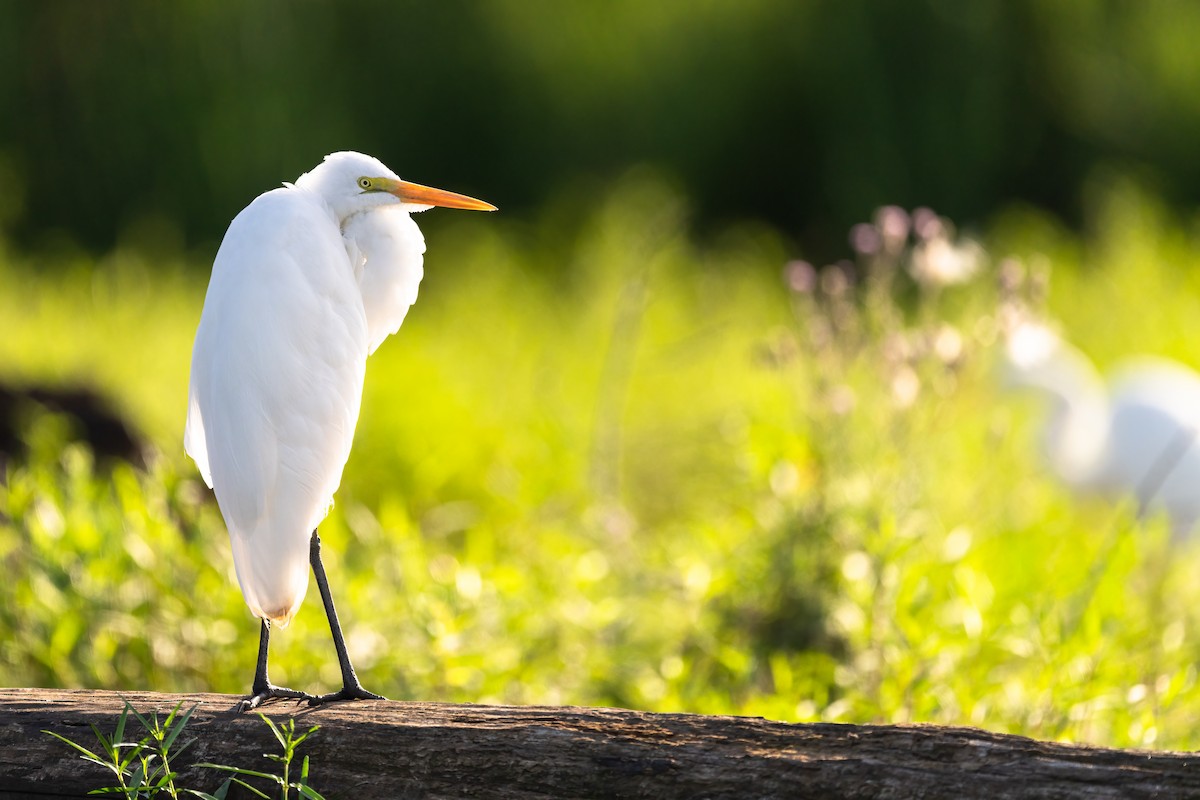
(351, 688)
(262, 688)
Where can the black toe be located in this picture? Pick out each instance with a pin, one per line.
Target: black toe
(271, 692)
(346, 693)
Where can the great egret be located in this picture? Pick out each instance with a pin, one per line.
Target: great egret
(1138, 437)
(309, 279)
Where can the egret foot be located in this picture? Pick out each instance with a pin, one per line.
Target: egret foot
(346, 693)
(262, 688)
(271, 692)
(351, 688)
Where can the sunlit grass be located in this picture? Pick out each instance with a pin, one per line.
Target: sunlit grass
(655, 478)
(121, 324)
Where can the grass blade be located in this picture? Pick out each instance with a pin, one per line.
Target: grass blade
(180, 724)
(119, 733)
(83, 750)
(240, 771)
(258, 792)
(145, 722)
(274, 729)
(105, 742)
(220, 794)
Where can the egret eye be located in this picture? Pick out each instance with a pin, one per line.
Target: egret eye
(364, 183)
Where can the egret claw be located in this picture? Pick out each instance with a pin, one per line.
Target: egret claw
(271, 692)
(346, 693)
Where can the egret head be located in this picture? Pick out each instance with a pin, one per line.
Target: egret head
(1075, 433)
(1030, 348)
(1038, 358)
(351, 182)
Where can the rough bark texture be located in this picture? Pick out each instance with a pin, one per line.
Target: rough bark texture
(433, 750)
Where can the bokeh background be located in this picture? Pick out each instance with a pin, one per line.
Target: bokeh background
(663, 433)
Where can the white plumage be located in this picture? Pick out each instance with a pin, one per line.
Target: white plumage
(389, 276)
(309, 280)
(1138, 436)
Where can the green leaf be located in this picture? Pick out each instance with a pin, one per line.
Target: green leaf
(171, 716)
(298, 739)
(136, 750)
(139, 776)
(79, 747)
(174, 725)
(166, 778)
(220, 794)
(108, 766)
(241, 771)
(183, 748)
(104, 740)
(258, 792)
(119, 733)
(186, 716)
(274, 729)
(145, 722)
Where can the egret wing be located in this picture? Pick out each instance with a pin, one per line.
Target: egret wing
(276, 382)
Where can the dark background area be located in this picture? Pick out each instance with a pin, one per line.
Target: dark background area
(130, 121)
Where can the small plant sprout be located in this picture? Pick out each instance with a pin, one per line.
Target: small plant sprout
(290, 741)
(142, 768)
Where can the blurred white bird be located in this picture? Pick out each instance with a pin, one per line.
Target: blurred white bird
(309, 280)
(1136, 437)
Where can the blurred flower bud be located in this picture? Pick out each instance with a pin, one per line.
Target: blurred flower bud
(926, 224)
(893, 223)
(800, 276)
(784, 478)
(779, 349)
(939, 262)
(905, 386)
(820, 332)
(1011, 276)
(948, 345)
(897, 348)
(1039, 279)
(842, 400)
(834, 280)
(865, 239)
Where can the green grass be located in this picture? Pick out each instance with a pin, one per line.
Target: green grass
(149, 766)
(656, 479)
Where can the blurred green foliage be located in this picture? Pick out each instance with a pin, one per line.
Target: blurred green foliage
(608, 460)
(651, 477)
(154, 123)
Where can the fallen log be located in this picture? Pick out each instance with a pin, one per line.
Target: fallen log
(367, 750)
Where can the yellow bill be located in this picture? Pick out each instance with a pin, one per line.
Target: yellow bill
(428, 196)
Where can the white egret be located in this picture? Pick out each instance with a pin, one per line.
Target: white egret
(1137, 437)
(309, 279)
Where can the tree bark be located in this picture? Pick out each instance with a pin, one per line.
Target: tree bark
(385, 749)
